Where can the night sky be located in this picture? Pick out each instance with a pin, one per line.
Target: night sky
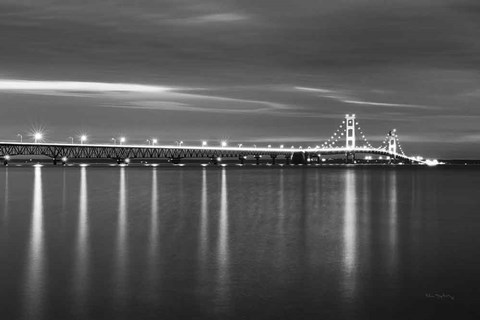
(250, 71)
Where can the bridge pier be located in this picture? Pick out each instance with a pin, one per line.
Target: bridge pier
(54, 161)
(287, 160)
(242, 159)
(123, 161)
(257, 159)
(273, 159)
(5, 160)
(350, 157)
(175, 160)
(214, 160)
(298, 158)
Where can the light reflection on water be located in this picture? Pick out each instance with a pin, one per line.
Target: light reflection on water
(82, 255)
(151, 243)
(392, 222)
(223, 245)
(203, 234)
(121, 244)
(153, 232)
(35, 282)
(350, 233)
(5, 208)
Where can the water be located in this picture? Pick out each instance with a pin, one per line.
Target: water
(239, 243)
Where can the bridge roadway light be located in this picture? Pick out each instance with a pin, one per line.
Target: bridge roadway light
(240, 145)
(122, 140)
(204, 143)
(154, 141)
(224, 143)
(83, 138)
(114, 141)
(37, 136)
(281, 146)
(21, 137)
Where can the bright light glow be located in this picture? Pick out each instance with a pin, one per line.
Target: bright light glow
(204, 143)
(127, 160)
(281, 146)
(77, 86)
(431, 163)
(64, 159)
(154, 141)
(83, 138)
(224, 143)
(37, 136)
(7, 157)
(122, 139)
(219, 159)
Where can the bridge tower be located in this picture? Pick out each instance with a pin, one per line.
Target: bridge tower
(350, 138)
(392, 142)
(350, 131)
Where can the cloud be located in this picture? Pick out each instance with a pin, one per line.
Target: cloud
(203, 103)
(342, 96)
(320, 90)
(385, 104)
(49, 86)
(219, 17)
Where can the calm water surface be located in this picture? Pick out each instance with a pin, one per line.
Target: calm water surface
(239, 243)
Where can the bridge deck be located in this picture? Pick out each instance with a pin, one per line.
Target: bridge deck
(60, 150)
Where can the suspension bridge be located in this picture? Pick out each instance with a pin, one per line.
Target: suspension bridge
(348, 141)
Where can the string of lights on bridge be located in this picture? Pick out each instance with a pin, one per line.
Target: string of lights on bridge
(349, 131)
(332, 141)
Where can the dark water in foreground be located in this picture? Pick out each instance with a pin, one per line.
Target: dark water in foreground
(242, 243)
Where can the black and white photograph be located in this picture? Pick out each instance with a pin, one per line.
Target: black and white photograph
(239, 159)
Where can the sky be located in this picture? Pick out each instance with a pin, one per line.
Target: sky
(249, 71)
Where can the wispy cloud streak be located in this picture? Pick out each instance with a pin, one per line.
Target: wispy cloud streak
(341, 96)
(29, 85)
